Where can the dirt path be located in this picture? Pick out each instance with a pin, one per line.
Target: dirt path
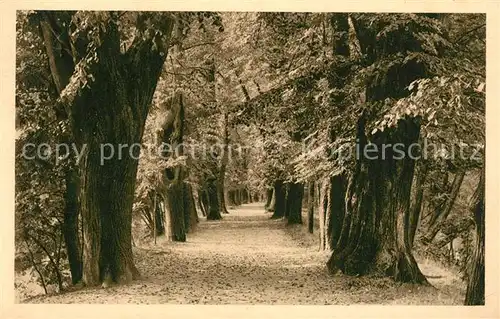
(247, 259)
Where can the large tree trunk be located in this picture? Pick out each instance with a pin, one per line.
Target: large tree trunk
(272, 203)
(106, 206)
(213, 200)
(159, 217)
(173, 134)
(220, 195)
(111, 112)
(190, 214)
(294, 200)
(475, 287)
(442, 215)
(310, 207)
(335, 210)
(280, 200)
(375, 232)
(377, 210)
(332, 211)
(286, 188)
(175, 220)
(70, 226)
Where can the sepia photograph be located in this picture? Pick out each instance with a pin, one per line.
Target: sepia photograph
(250, 158)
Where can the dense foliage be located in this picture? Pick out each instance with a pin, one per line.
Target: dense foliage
(257, 101)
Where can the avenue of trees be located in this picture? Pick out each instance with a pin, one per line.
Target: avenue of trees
(256, 107)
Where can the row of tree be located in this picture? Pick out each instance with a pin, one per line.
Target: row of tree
(297, 91)
(389, 79)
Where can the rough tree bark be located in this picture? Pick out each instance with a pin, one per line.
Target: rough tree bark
(70, 226)
(335, 210)
(108, 113)
(376, 225)
(176, 229)
(333, 189)
(475, 287)
(332, 211)
(173, 134)
(220, 192)
(375, 232)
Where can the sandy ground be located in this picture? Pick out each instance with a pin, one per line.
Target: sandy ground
(249, 259)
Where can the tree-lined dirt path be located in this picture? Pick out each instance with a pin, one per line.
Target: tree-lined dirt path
(246, 258)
